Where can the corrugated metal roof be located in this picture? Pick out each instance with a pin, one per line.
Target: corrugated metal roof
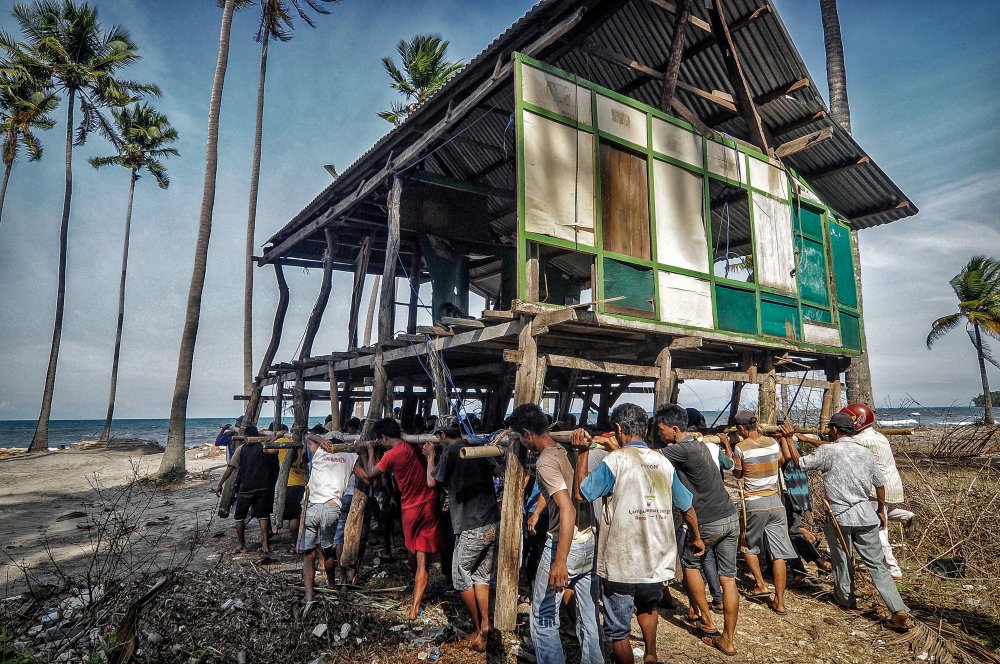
(642, 32)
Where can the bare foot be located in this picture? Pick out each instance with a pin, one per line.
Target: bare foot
(477, 642)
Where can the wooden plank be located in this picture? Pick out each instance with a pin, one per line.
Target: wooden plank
(673, 67)
(768, 395)
(686, 342)
(462, 322)
(803, 143)
(715, 97)
(839, 168)
(497, 314)
(366, 187)
(734, 27)
(624, 202)
(334, 399)
(665, 380)
(673, 9)
(595, 366)
(799, 124)
(736, 76)
(781, 91)
(902, 205)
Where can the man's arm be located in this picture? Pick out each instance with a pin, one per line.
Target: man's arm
(683, 499)
(429, 452)
(537, 513)
(558, 574)
(737, 459)
(725, 459)
(882, 515)
(581, 441)
(222, 480)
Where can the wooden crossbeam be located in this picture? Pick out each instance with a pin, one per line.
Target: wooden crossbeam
(803, 143)
(781, 91)
(902, 205)
(674, 59)
(369, 185)
(839, 168)
(674, 9)
(799, 124)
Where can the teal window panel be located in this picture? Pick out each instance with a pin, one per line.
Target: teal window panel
(816, 315)
(843, 265)
(736, 310)
(811, 271)
(779, 317)
(635, 283)
(850, 331)
(808, 222)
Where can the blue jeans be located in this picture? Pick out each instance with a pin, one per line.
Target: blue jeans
(545, 606)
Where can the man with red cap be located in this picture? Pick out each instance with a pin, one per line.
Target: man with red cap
(866, 436)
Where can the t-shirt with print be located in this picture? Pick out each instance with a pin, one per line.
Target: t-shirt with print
(699, 473)
(409, 468)
(330, 473)
(555, 473)
(472, 497)
(759, 459)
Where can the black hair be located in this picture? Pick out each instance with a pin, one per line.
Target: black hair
(275, 427)
(632, 418)
(352, 425)
(671, 415)
(696, 420)
(329, 418)
(250, 430)
(529, 417)
(387, 427)
(845, 430)
(318, 429)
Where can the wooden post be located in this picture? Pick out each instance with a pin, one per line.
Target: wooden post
(734, 402)
(279, 403)
(387, 301)
(255, 402)
(300, 405)
(604, 407)
(316, 316)
(334, 399)
(360, 271)
(664, 387)
(676, 54)
(784, 400)
(767, 401)
(530, 375)
(411, 314)
(566, 396)
(369, 319)
(346, 402)
(833, 375)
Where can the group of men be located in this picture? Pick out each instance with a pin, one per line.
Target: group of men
(612, 540)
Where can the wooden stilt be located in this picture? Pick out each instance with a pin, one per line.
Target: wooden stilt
(530, 375)
(664, 387)
(334, 399)
(768, 392)
(411, 314)
(316, 316)
(254, 404)
(300, 405)
(360, 271)
(279, 401)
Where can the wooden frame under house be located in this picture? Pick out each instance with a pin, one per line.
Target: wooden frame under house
(642, 191)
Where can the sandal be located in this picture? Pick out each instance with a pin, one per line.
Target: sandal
(774, 607)
(717, 607)
(900, 629)
(714, 642)
(756, 597)
(700, 628)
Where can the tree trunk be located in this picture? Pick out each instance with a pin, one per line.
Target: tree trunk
(40, 441)
(173, 456)
(106, 433)
(987, 397)
(836, 72)
(3, 188)
(251, 226)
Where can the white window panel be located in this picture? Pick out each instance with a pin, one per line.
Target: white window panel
(768, 178)
(685, 300)
(620, 120)
(820, 334)
(727, 162)
(774, 250)
(558, 180)
(679, 200)
(677, 142)
(556, 94)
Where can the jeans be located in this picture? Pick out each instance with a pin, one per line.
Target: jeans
(545, 604)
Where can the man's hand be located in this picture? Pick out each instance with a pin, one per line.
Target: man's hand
(532, 522)
(581, 439)
(882, 520)
(428, 449)
(218, 489)
(558, 577)
(610, 443)
(786, 429)
(698, 546)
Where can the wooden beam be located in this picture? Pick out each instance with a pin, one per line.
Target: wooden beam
(590, 366)
(467, 104)
(253, 406)
(687, 114)
(803, 143)
(674, 9)
(781, 91)
(716, 98)
(360, 271)
(316, 315)
(387, 298)
(736, 76)
(799, 124)
(902, 205)
(665, 379)
(460, 185)
(838, 168)
(673, 67)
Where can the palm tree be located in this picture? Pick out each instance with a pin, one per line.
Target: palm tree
(23, 108)
(859, 373)
(172, 463)
(978, 289)
(144, 135)
(65, 44)
(424, 71)
(275, 23)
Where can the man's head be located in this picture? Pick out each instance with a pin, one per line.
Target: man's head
(669, 423)
(531, 424)
(387, 429)
(447, 428)
(629, 422)
(862, 416)
(250, 431)
(841, 426)
(353, 425)
(239, 421)
(318, 429)
(746, 423)
(696, 420)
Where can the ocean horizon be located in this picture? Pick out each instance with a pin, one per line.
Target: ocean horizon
(203, 430)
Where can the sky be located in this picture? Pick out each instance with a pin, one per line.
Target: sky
(924, 91)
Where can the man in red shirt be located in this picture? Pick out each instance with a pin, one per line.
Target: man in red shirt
(418, 501)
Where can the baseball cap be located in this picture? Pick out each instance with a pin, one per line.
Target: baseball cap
(447, 424)
(842, 421)
(745, 418)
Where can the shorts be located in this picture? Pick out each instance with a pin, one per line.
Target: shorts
(293, 503)
(620, 599)
(420, 527)
(345, 509)
(475, 557)
(722, 537)
(257, 503)
(321, 526)
(766, 524)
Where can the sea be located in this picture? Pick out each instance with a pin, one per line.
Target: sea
(203, 430)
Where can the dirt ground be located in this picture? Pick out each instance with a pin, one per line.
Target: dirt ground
(223, 607)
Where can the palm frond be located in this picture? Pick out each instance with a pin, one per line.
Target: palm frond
(941, 326)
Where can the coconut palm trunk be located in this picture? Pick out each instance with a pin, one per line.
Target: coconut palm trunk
(106, 432)
(859, 374)
(40, 441)
(251, 225)
(3, 187)
(987, 397)
(173, 456)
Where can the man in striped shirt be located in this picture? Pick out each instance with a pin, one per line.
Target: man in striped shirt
(757, 462)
